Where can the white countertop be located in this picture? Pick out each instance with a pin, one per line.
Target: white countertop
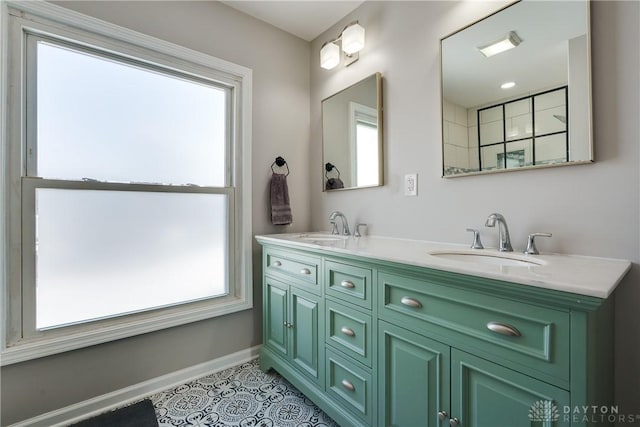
(582, 275)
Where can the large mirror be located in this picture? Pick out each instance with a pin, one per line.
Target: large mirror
(352, 136)
(516, 90)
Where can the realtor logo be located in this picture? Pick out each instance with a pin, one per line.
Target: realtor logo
(544, 410)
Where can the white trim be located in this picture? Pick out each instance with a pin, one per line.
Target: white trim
(76, 23)
(106, 402)
(4, 31)
(74, 19)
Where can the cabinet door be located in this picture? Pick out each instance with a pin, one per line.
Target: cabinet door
(276, 296)
(486, 394)
(307, 332)
(414, 378)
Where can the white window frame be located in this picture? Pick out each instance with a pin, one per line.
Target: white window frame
(17, 18)
(359, 113)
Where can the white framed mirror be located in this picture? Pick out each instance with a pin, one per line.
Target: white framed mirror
(528, 106)
(352, 136)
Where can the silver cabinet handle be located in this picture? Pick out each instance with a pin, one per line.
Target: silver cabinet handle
(348, 331)
(503, 329)
(348, 385)
(410, 302)
(442, 415)
(276, 263)
(347, 284)
(454, 422)
(305, 271)
(288, 325)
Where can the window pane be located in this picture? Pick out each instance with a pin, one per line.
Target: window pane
(105, 253)
(492, 157)
(491, 126)
(551, 112)
(112, 121)
(519, 119)
(551, 149)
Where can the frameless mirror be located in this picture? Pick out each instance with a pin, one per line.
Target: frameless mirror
(516, 90)
(352, 136)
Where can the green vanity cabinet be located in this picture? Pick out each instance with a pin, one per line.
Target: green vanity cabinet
(293, 327)
(414, 378)
(379, 343)
(486, 394)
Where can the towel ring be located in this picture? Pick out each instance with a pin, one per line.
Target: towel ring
(328, 167)
(280, 162)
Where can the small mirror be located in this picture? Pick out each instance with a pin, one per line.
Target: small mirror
(352, 136)
(516, 90)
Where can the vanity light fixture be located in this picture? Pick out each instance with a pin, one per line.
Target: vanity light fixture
(507, 42)
(507, 85)
(352, 40)
(329, 55)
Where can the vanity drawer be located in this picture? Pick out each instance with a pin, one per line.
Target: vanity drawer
(349, 282)
(284, 264)
(349, 331)
(527, 337)
(349, 385)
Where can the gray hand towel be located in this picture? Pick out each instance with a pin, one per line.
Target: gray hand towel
(333, 184)
(280, 208)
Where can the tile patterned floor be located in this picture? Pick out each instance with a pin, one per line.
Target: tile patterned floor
(242, 396)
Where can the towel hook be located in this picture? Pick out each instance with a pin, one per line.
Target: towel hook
(280, 162)
(328, 167)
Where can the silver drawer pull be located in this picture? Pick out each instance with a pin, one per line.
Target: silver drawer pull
(276, 263)
(410, 302)
(348, 331)
(503, 329)
(347, 284)
(348, 385)
(305, 271)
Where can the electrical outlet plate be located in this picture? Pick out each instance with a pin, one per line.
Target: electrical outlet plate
(411, 184)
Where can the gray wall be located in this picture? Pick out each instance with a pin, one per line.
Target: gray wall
(280, 64)
(591, 209)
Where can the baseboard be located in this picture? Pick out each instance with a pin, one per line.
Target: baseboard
(122, 397)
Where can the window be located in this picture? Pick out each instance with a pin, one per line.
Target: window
(363, 143)
(132, 211)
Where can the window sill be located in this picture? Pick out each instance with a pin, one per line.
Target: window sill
(139, 324)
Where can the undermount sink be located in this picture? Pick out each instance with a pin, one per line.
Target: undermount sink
(489, 258)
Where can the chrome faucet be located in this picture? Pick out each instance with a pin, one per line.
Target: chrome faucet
(345, 225)
(503, 231)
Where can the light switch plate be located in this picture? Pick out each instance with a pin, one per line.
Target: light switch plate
(411, 184)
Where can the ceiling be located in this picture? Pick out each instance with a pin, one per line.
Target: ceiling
(545, 28)
(306, 19)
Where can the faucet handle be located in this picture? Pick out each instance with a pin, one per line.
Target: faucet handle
(356, 233)
(477, 244)
(531, 244)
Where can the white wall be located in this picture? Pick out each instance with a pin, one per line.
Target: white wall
(280, 64)
(590, 209)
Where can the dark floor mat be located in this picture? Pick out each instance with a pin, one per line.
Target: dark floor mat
(141, 414)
